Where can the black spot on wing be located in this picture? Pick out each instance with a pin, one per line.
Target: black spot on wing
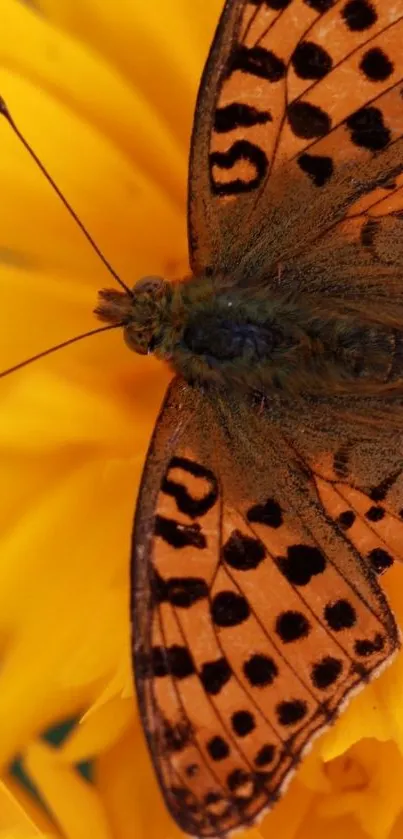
(311, 61)
(218, 748)
(237, 778)
(243, 553)
(301, 564)
(291, 626)
(375, 513)
(185, 591)
(192, 507)
(308, 121)
(289, 712)
(265, 755)
(339, 615)
(241, 150)
(257, 61)
(320, 6)
(180, 662)
(163, 661)
(214, 675)
(158, 587)
(375, 65)
(319, 168)
(229, 608)
(260, 670)
(346, 519)
(179, 535)
(268, 513)
(365, 647)
(380, 560)
(367, 129)
(242, 723)
(238, 115)
(380, 491)
(176, 736)
(277, 5)
(325, 672)
(359, 15)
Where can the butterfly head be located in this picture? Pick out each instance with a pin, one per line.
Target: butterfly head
(141, 313)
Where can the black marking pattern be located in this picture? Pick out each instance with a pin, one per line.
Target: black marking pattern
(242, 723)
(368, 130)
(311, 61)
(308, 121)
(184, 591)
(269, 513)
(243, 553)
(214, 675)
(340, 615)
(163, 661)
(375, 65)
(359, 15)
(179, 535)
(380, 560)
(318, 168)
(229, 609)
(265, 755)
(257, 61)
(237, 115)
(172, 667)
(290, 712)
(292, 626)
(242, 150)
(260, 670)
(301, 564)
(326, 672)
(192, 507)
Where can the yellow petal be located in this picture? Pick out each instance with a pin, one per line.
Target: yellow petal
(84, 81)
(366, 783)
(75, 803)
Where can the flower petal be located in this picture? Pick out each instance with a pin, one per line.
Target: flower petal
(81, 79)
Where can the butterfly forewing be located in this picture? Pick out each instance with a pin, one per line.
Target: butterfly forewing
(250, 628)
(294, 92)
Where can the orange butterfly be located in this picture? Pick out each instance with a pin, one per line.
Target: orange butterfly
(272, 494)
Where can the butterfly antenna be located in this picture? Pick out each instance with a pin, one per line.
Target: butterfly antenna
(6, 113)
(51, 350)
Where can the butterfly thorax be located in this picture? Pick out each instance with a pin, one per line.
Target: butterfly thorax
(211, 331)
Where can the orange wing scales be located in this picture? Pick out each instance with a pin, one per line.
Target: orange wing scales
(234, 684)
(305, 84)
(374, 529)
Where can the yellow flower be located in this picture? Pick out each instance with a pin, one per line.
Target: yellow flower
(104, 93)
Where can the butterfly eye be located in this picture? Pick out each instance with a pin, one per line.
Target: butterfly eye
(152, 285)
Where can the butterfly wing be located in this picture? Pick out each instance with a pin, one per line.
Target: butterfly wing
(254, 618)
(299, 108)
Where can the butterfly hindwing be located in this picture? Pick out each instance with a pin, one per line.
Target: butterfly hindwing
(299, 108)
(253, 622)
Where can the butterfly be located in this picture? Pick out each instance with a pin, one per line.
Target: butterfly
(272, 495)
